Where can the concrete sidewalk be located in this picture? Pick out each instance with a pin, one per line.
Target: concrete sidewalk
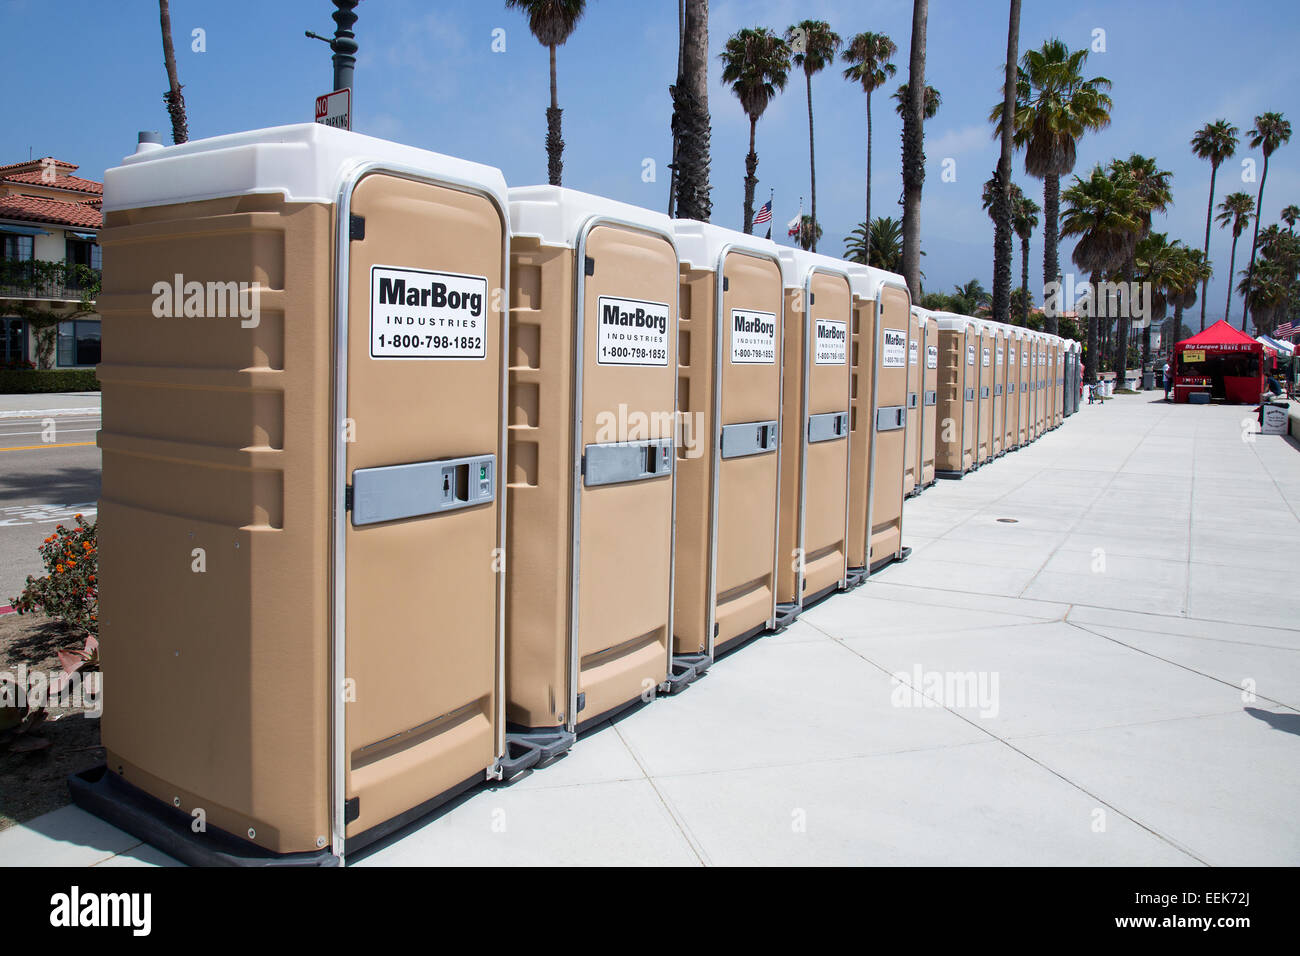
(1113, 677)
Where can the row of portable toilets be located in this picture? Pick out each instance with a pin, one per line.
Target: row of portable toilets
(463, 470)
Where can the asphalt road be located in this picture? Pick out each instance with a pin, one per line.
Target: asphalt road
(43, 483)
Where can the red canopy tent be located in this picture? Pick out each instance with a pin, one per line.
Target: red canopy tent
(1223, 361)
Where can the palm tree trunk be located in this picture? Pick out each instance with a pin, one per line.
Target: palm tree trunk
(1122, 326)
(672, 179)
(1209, 213)
(1024, 282)
(751, 180)
(174, 99)
(914, 150)
(554, 141)
(1232, 264)
(1090, 356)
(693, 189)
(812, 161)
(1002, 239)
(1051, 237)
(1254, 242)
(867, 222)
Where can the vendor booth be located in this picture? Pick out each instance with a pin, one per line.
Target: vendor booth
(1222, 363)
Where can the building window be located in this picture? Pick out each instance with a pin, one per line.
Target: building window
(16, 248)
(13, 341)
(83, 252)
(78, 342)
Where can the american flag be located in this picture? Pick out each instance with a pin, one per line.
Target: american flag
(764, 214)
(1285, 330)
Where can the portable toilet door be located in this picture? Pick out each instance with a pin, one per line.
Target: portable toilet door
(1058, 387)
(592, 422)
(929, 396)
(730, 336)
(863, 335)
(955, 412)
(812, 557)
(889, 421)
(1040, 411)
(1050, 383)
(1024, 402)
(984, 394)
(254, 678)
(999, 389)
(1010, 337)
(912, 441)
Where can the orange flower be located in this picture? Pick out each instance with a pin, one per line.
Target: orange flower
(58, 569)
(77, 516)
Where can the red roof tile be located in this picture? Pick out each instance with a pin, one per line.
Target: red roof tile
(37, 178)
(36, 164)
(81, 215)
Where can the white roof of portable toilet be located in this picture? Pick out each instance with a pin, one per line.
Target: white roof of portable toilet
(555, 215)
(700, 245)
(952, 321)
(797, 263)
(867, 281)
(305, 162)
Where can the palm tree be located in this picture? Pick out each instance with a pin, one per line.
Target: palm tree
(1055, 107)
(1216, 142)
(914, 149)
(881, 246)
(691, 127)
(756, 63)
(1152, 194)
(814, 44)
(552, 22)
(1103, 212)
(869, 56)
(809, 233)
(1002, 210)
(970, 297)
(174, 99)
(1271, 130)
(1024, 220)
(1235, 211)
(933, 100)
(1290, 215)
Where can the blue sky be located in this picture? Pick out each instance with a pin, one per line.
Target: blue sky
(427, 75)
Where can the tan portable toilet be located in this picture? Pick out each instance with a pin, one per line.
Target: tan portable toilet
(984, 390)
(730, 335)
(912, 453)
(955, 426)
(999, 389)
(1011, 336)
(592, 422)
(876, 526)
(814, 441)
(1040, 412)
(1035, 344)
(300, 353)
(929, 395)
(1024, 397)
(1058, 381)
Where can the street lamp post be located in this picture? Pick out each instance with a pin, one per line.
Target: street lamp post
(344, 43)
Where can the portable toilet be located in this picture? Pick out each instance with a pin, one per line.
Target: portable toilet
(1072, 377)
(929, 395)
(1049, 386)
(1057, 381)
(812, 558)
(998, 418)
(913, 446)
(1011, 337)
(984, 391)
(591, 466)
(1024, 396)
(1040, 378)
(300, 354)
(954, 450)
(730, 337)
(876, 526)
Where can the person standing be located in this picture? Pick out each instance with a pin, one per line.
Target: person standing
(1169, 381)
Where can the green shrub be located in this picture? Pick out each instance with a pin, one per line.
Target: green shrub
(30, 381)
(69, 591)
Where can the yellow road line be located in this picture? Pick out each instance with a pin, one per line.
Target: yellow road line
(69, 444)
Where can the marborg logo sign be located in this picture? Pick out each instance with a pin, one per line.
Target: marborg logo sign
(755, 325)
(639, 318)
(830, 331)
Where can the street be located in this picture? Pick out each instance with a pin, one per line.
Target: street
(49, 471)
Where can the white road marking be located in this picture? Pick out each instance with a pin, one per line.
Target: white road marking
(47, 412)
(22, 515)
